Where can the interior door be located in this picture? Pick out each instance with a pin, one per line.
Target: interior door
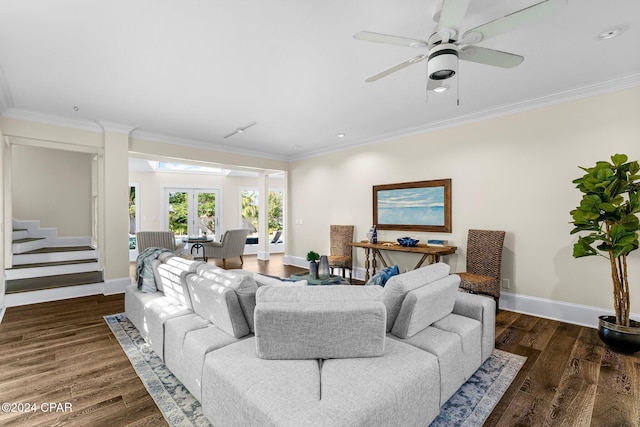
(193, 212)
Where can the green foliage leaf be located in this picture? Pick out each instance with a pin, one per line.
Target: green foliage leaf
(619, 159)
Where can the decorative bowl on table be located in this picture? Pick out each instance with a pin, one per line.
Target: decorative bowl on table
(407, 241)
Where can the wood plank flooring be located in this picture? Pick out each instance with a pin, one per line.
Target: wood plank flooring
(63, 352)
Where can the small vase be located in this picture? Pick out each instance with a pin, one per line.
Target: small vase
(313, 269)
(323, 269)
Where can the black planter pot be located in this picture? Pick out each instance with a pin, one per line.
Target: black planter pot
(620, 338)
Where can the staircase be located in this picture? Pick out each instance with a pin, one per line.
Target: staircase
(41, 260)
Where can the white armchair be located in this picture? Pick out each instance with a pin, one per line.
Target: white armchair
(231, 245)
(160, 239)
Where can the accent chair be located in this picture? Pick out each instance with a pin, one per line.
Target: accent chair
(341, 252)
(230, 245)
(159, 239)
(484, 261)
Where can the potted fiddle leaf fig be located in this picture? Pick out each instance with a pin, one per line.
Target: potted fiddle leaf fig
(607, 220)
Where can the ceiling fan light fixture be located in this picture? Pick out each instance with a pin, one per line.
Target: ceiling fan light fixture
(443, 62)
(441, 89)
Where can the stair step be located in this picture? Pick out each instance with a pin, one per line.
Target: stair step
(27, 244)
(27, 239)
(52, 264)
(58, 249)
(52, 282)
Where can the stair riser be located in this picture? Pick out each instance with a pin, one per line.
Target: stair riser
(19, 234)
(17, 248)
(24, 273)
(19, 259)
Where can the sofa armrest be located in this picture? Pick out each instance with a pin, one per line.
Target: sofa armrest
(482, 309)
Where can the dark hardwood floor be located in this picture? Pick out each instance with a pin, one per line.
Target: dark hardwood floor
(64, 353)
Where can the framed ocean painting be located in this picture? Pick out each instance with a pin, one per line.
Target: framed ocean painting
(417, 206)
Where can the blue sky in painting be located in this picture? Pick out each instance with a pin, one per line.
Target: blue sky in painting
(422, 206)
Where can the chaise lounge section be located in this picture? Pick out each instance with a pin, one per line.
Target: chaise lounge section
(282, 355)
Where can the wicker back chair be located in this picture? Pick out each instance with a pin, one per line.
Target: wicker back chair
(340, 255)
(484, 260)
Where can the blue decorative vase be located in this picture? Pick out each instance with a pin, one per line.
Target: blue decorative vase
(323, 268)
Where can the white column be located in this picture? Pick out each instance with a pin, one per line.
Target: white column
(113, 213)
(263, 216)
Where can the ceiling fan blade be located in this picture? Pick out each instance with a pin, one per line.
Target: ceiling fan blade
(482, 55)
(389, 39)
(452, 13)
(397, 67)
(511, 21)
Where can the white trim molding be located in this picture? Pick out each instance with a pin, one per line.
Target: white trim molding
(116, 286)
(578, 314)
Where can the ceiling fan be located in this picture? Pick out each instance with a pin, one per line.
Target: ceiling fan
(446, 45)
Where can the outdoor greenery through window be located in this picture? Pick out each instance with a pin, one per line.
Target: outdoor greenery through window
(132, 217)
(179, 213)
(249, 200)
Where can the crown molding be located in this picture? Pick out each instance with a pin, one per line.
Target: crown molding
(16, 113)
(610, 86)
(622, 83)
(116, 127)
(175, 140)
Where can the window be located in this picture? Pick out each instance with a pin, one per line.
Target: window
(250, 211)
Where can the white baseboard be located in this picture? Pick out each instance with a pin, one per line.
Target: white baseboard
(116, 286)
(2, 311)
(578, 314)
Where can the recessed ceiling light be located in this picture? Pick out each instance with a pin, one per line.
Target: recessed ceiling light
(611, 33)
(442, 88)
(75, 108)
(341, 135)
(297, 146)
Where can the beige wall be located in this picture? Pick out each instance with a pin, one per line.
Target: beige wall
(512, 173)
(53, 186)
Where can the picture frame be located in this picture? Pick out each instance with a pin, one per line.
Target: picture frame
(413, 206)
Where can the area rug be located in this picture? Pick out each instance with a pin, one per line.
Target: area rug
(469, 407)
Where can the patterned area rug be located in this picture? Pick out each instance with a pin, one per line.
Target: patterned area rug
(469, 407)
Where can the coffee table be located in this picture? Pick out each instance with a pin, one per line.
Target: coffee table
(332, 279)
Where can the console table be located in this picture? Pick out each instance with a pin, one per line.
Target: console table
(373, 250)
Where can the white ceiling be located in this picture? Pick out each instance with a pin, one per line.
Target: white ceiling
(193, 71)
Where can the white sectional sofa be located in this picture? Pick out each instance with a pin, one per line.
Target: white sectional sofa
(314, 355)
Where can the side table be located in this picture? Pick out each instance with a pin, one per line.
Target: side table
(197, 243)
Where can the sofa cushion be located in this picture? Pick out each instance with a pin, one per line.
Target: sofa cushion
(319, 322)
(242, 283)
(262, 280)
(396, 389)
(398, 286)
(470, 333)
(423, 306)
(174, 285)
(156, 273)
(218, 304)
